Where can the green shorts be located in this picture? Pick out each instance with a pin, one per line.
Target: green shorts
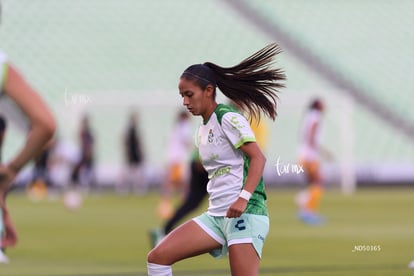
(247, 228)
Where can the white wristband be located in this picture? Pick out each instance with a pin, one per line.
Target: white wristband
(245, 194)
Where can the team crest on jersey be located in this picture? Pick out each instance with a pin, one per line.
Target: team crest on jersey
(210, 136)
(212, 139)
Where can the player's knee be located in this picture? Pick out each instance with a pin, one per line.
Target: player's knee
(156, 256)
(152, 257)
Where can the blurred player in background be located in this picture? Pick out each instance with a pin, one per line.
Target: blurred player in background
(83, 172)
(42, 127)
(237, 219)
(63, 157)
(180, 142)
(310, 157)
(133, 175)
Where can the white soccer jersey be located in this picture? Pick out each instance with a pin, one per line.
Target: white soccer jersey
(308, 151)
(218, 141)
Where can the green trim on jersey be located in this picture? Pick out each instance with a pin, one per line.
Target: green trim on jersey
(245, 140)
(257, 203)
(195, 156)
(222, 109)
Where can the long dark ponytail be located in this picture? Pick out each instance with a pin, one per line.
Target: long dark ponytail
(252, 84)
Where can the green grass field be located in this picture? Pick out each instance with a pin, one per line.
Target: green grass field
(109, 236)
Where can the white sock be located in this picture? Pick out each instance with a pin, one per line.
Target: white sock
(159, 270)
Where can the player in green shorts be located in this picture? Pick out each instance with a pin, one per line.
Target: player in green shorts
(236, 221)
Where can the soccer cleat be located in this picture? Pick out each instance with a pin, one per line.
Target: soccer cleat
(311, 218)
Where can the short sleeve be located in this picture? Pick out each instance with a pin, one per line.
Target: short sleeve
(237, 129)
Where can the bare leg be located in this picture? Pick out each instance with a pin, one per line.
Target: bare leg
(186, 241)
(244, 260)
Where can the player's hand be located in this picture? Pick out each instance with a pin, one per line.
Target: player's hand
(10, 237)
(237, 208)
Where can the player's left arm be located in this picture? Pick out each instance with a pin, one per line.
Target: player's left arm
(257, 164)
(254, 174)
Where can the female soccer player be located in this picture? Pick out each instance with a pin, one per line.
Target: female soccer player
(198, 184)
(133, 173)
(42, 127)
(83, 172)
(237, 219)
(309, 154)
